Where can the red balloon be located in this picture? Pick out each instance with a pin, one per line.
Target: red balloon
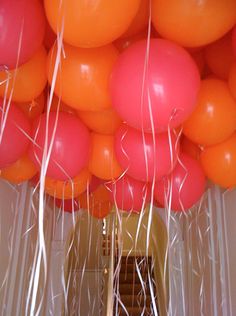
(234, 40)
(22, 29)
(94, 183)
(67, 205)
(154, 85)
(143, 159)
(70, 148)
(129, 194)
(185, 186)
(14, 129)
(49, 38)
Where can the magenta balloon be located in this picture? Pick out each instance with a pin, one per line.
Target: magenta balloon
(188, 185)
(22, 28)
(70, 148)
(165, 94)
(16, 127)
(129, 194)
(144, 157)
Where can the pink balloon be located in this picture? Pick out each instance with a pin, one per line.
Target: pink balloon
(165, 94)
(144, 157)
(129, 194)
(22, 28)
(70, 148)
(188, 185)
(14, 129)
(67, 205)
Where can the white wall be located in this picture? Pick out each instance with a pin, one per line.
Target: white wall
(202, 259)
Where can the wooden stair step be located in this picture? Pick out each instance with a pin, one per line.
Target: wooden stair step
(129, 268)
(131, 289)
(131, 277)
(135, 300)
(135, 258)
(134, 311)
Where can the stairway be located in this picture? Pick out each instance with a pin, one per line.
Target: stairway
(133, 297)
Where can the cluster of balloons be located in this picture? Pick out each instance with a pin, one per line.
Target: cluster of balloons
(137, 102)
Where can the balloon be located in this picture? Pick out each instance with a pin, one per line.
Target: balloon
(140, 21)
(68, 189)
(14, 132)
(34, 108)
(234, 40)
(165, 94)
(103, 122)
(100, 204)
(83, 200)
(219, 162)
(21, 170)
(185, 186)
(129, 194)
(58, 105)
(90, 23)
(67, 205)
(189, 148)
(144, 157)
(35, 180)
(70, 141)
(103, 163)
(50, 37)
(219, 56)
(22, 30)
(27, 82)
(123, 43)
(214, 118)
(199, 59)
(232, 80)
(94, 184)
(193, 23)
(82, 80)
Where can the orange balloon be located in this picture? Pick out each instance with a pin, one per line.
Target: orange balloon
(90, 23)
(140, 21)
(103, 122)
(100, 209)
(68, 189)
(22, 170)
(103, 163)
(83, 77)
(214, 118)
(219, 56)
(219, 163)
(83, 200)
(33, 108)
(193, 23)
(27, 82)
(190, 148)
(232, 80)
(99, 203)
(101, 193)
